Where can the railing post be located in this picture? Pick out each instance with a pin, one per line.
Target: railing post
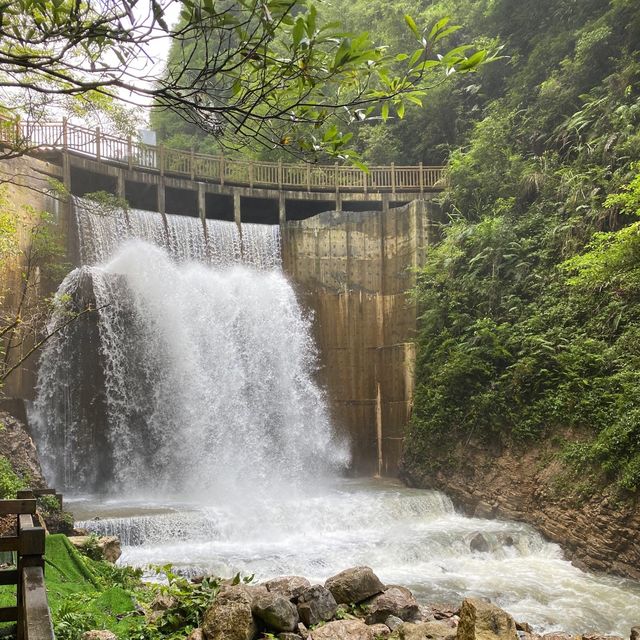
(280, 175)
(130, 151)
(393, 177)
(65, 134)
(192, 163)
(161, 158)
(18, 130)
(308, 176)
(421, 178)
(222, 168)
(251, 174)
(336, 177)
(98, 150)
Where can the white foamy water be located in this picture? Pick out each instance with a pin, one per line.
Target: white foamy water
(191, 392)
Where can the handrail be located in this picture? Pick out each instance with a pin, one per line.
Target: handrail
(31, 612)
(198, 166)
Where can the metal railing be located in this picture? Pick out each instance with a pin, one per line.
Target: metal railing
(31, 612)
(197, 166)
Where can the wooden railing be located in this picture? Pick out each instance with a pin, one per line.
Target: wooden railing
(31, 612)
(197, 166)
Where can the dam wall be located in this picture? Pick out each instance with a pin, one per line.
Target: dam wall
(351, 269)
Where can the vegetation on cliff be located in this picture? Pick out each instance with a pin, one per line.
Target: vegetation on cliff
(530, 323)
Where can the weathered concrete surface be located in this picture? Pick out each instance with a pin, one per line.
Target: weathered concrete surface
(26, 193)
(353, 270)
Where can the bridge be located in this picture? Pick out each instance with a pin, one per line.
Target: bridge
(170, 180)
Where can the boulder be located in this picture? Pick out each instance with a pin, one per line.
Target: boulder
(276, 611)
(98, 634)
(394, 601)
(104, 548)
(480, 620)
(479, 543)
(229, 617)
(316, 604)
(241, 592)
(303, 631)
(354, 585)
(424, 631)
(289, 586)
(343, 630)
(380, 630)
(393, 622)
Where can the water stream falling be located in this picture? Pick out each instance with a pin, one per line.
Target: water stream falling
(186, 411)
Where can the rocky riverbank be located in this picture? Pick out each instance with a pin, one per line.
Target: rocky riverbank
(597, 529)
(352, 605)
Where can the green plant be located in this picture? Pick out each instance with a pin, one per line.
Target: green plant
(10, 481)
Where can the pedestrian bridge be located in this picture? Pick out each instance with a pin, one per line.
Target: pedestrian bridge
(185, 182)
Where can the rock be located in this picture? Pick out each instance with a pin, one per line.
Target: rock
(241, 592)
(316, 604)
(598, 636)
(443, 611)
(303, 631)
(286, 635)
(98, 634)
(479, 543)
(343, 630)
(483, 510)
(558, 636)
(424, 631)
(480, 620)
(354, 585)
(394, 601)
(276, 611)
(229, 617)
(289, 586)
(162, 602)
(196, 634)
(380, 630)
(635, 633)
(524, 626)
(105, 548)
(393, 622)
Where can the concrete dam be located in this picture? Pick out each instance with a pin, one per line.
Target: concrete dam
(348, 244)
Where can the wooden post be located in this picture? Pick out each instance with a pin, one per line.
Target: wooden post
(202, 202)
(251, 174)
(130, 151)
(65, 134)
(222, 168)
(98, 150)
(121, 184)
(280, 175)
(335, 179)
(192, 163)
(161, 196)
(161, 158)
(365, 181)
(237, 213)
(421, 178)
(308, 176)
(282, 208)
(393, 178)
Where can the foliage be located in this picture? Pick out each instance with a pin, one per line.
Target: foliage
(530, 304)
(10, 481)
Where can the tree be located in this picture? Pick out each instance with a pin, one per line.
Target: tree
(262, 69)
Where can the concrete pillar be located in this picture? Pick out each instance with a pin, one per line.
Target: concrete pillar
(161, 196)
(202, 202)
(282, 209)
(237, 215)
(385, 202)
(338, 201)
(120, 188)
(66, 171)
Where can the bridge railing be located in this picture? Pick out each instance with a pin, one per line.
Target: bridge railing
(197, 166)
(31, 612)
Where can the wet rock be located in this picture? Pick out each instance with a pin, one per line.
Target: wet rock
(98, 634)
(229, 619)
(393, 622)
(394, 601)
(276, 611)
(479, 543)
(524, 626)
(480, 620)
(425, 614)
(483, 510)
(424, 631)
(380, 630)
(289, 586)
(443, 611)
(635, 633)
(354, 585)
(316, 604)
(343, 630)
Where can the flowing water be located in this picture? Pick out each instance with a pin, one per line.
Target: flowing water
(191, 393)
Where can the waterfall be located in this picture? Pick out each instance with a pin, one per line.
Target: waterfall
(194, 377)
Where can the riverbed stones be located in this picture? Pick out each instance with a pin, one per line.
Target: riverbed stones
(432, 630)
(289, 586)
(393, 601)
(343, 630)
(316, 604)
(480, 620)
(354, 585)
(276, 611)
(229, 617)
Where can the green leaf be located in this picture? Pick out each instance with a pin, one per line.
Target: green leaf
(412, 25)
